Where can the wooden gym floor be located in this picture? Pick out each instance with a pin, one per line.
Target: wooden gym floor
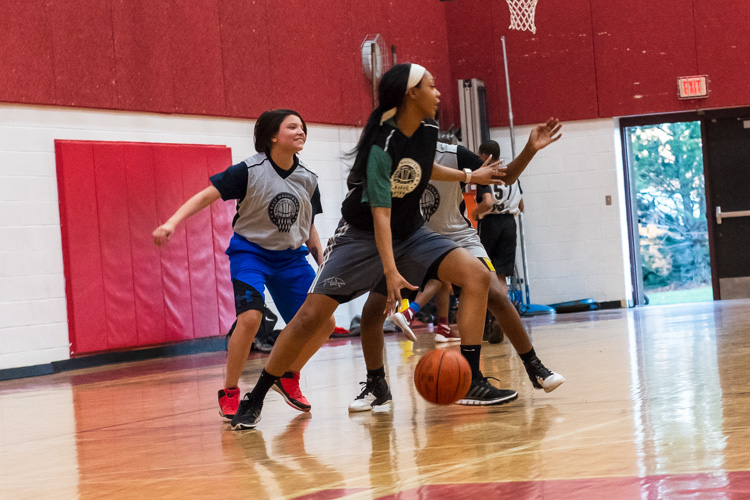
(656, 405)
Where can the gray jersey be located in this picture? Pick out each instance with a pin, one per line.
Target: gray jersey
(275, 207)
(441, 200)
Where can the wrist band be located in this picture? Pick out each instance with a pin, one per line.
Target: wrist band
(468, 175)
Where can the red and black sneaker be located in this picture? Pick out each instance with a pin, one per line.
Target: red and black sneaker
(229, 400)
(288, 387)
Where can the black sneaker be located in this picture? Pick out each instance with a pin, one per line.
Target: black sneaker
(483, 393)
(248, 414)
(542, 377)
(375, 395)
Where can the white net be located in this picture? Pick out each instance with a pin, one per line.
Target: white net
(522, 15)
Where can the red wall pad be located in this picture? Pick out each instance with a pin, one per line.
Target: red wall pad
(122, 291)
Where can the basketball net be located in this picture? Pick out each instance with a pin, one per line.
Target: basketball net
(522, 15)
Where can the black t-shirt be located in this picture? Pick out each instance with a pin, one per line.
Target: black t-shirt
(398, 166)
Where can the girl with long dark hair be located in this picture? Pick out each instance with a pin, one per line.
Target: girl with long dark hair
(381, 245)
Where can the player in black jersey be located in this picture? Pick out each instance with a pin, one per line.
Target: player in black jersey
(381, 244)
(277, 200)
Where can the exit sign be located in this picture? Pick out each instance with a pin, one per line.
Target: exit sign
(693, 87)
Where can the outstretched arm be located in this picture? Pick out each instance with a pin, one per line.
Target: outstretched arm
(194, 205)
(541, 136)
(488, 173)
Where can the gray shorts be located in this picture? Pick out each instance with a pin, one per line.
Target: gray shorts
(468, 238)
(352, 266)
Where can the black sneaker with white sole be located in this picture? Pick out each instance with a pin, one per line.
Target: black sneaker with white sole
(482, 393)
(542, 377)
(376, 395)
(248, 414)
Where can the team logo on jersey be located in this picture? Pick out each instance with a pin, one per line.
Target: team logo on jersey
(406, 178)
(283, 211)
(334, 282)
(429, 202)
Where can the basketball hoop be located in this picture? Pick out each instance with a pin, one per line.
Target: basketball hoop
(522, 15)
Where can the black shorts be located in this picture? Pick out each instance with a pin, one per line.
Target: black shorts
(498, 235)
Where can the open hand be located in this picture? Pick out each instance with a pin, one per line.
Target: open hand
(395, 282)
(489, 173)
(545, 134)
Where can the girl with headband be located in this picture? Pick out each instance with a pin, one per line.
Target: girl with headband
(381, 244)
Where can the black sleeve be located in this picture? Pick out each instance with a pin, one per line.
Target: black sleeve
(467, 159)
(481, 189)
(317, 207)
(232, 182)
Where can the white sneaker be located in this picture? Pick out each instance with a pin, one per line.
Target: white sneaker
(542, 377)
(368, 401)
(403, 323)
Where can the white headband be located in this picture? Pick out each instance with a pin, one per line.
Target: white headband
(416, 73)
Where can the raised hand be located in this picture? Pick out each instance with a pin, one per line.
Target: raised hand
(545, 134)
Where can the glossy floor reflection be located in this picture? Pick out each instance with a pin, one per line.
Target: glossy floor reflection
(655, 406)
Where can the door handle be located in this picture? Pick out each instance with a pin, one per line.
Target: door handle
(725, 215)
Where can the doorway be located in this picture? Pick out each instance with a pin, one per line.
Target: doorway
(669, 233)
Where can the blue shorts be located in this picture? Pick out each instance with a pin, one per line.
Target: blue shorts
(285, 273)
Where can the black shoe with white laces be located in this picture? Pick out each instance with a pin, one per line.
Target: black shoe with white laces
(542, 377)
(248, 414)
(482, 393)
(376, 395)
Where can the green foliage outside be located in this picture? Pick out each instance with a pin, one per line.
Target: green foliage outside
(670, 193)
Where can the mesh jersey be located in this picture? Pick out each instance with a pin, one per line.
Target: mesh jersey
(275, 207)
(507, 198)
(441, 200)
(411, 160)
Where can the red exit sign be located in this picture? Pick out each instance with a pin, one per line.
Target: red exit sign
(693, 87)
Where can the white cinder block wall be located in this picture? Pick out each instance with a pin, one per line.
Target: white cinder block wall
(574, 242)
(33, 315)
(576, 245)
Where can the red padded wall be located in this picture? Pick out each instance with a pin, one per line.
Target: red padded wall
(26, 58)
(641, 49)
(211, 57)
(722, 54)
(195, 57)
(82, 258)
(145, 77)
(114, 240)
(552, 73)
(122, 290)
(597, 58)
(82, 40)
(147, 273)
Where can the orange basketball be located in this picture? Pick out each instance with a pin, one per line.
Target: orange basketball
(442, 376)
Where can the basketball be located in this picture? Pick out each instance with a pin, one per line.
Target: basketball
(442, 376)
